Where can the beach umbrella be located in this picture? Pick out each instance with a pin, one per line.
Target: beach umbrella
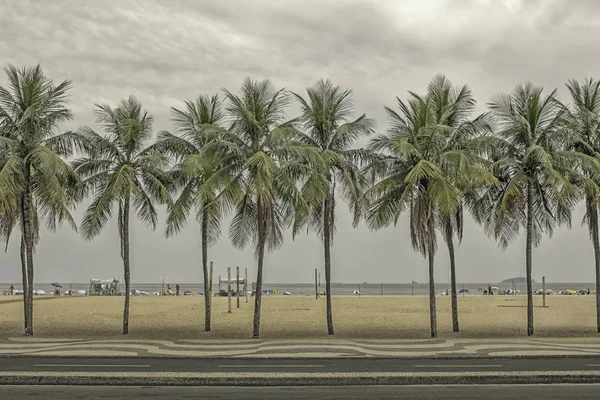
(463, 290)
(495, 288)
(56, 284)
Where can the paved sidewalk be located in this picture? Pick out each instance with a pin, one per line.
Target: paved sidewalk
(314, 348)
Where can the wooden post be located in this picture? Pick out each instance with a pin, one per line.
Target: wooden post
(237, 276)
(246, 284)
(544, 291)
(381, 289)
(412, 289)
(359, 290)
(316, 285)
(210, 281)
(319, 282)
(228, 289)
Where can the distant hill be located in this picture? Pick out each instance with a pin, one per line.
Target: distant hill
(519, 279)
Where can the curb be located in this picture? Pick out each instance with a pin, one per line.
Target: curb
(157, 379)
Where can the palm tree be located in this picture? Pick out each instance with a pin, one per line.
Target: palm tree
(327, 127)
(452, 109)
(263, 184)
(584, 122)
(194, 127)
(531, 165)
(423, 170)
(34, 178)
(120, 171)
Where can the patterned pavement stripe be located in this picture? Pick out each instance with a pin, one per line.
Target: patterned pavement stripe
(540, 353)
(218, 345)
(283, 351)
(302, 348)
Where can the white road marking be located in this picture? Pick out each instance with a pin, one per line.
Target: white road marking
(457, 365)
(95, 366)
(269, 366)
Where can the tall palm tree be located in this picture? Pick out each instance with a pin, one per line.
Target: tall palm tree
(326, 126)
(263, 183)
(530, 162)
(452, 109)
(34, 178)
(584, 123)
(120, 172)
(194, 128)
(423, 171)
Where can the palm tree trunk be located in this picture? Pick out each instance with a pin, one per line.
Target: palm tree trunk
(207, 284)
(432, 305)
(28, 235)
(24, 273)
(126, 266)
(593, 210)
(260, 220)
(529, 260)
(327, 248)
(431, 253)
(450, 242)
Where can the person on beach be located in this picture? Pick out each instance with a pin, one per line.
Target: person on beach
(12, 289)
(177, 290)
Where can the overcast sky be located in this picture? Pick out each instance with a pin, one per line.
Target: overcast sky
(165, 52)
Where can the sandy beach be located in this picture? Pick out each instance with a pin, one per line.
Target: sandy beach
(298, 317)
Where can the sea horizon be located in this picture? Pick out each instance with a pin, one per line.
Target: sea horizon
(337, 288)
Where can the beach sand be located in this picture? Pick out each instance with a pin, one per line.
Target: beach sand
(389, 317)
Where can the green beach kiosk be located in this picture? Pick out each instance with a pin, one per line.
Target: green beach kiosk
(99, 287)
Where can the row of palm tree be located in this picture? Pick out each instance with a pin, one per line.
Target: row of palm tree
(525, 163)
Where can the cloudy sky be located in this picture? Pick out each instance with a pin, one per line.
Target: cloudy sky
(165, 52)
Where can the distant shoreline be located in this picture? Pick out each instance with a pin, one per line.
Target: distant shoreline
(173, 282)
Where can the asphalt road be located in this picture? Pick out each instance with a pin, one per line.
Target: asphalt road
(304, 365)
(455, 392)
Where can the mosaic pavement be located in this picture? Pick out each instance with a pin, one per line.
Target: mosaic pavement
(325, 348)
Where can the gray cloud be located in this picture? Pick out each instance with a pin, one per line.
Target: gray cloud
(166, 52)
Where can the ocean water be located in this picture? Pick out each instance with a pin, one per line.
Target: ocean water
(307, 289)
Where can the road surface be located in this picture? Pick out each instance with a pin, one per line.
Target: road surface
(295, 365)
(455, 392)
